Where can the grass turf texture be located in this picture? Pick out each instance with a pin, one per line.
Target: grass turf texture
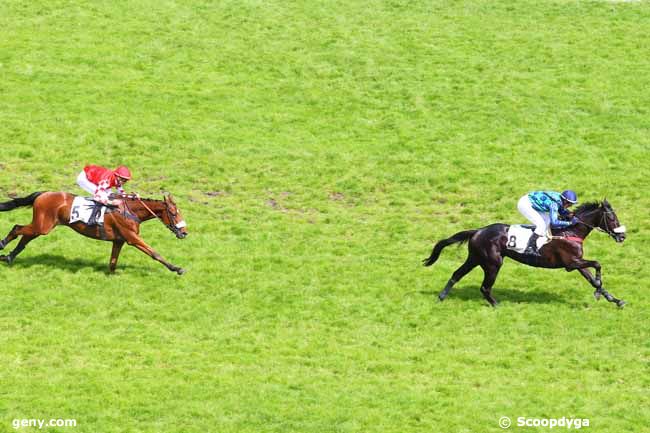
(318, 150)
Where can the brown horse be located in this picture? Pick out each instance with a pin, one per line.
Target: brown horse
(488, 247)
(121, 224)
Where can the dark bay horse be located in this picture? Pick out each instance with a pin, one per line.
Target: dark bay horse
(121, 224)
(487, 248)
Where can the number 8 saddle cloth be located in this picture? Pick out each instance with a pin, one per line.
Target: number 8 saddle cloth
(518, 236)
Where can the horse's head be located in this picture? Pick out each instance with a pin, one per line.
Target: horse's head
(609, 223)
(602, 217)
(173, 219)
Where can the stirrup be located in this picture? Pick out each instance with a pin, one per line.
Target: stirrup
(531, 248)
(531, 251)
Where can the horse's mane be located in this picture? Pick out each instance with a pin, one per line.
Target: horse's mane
(587, 207)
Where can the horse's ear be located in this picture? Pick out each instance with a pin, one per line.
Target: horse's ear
(606, 205)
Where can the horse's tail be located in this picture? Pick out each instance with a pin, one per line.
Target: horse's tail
(461, 237)
(18, 202)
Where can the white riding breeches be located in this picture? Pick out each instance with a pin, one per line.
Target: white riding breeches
(85, 184)
(541, 220)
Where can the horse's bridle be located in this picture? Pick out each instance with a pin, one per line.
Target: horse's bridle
(615, 231)
(174, 226)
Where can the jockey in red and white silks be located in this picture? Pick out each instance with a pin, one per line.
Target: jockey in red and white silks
(98, 181)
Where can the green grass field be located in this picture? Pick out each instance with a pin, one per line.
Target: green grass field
(317, 151)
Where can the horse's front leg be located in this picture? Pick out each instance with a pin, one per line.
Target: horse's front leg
(137, 242)
(608, 296)
(115, 253)
(596, 281)
(582, 265)
(594, 264)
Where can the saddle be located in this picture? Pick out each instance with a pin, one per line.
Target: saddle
(518, 236)
(95, 215)
(87, 211)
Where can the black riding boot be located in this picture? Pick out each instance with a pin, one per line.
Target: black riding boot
(531, 248)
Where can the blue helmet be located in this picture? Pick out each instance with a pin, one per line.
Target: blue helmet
(570, 196)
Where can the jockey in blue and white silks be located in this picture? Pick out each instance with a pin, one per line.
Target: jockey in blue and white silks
(542, 208)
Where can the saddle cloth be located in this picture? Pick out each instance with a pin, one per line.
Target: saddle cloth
(518, 236)
(82, 209)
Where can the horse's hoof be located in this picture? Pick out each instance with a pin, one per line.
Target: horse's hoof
(7, 259)
(441, 298)
(597, 295)
(621, 304)
(180, 271)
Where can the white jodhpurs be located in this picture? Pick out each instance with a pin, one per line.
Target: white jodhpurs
(85, 184)
(541, 220)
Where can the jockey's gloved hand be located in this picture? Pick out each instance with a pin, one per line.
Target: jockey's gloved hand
(575, 220)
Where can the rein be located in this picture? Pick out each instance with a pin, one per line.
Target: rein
(126, 205)
(580, 221)
(175, 228)
(574, 239)
(595, 227)
(603, 220)
(151, 212)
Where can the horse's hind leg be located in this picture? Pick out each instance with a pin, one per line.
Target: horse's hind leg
(463, 270)
(28, 233)
(21, 246)
(10, 236)
(42, 223)
(491, 271)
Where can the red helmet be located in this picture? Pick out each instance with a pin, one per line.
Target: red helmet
(123, 172)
